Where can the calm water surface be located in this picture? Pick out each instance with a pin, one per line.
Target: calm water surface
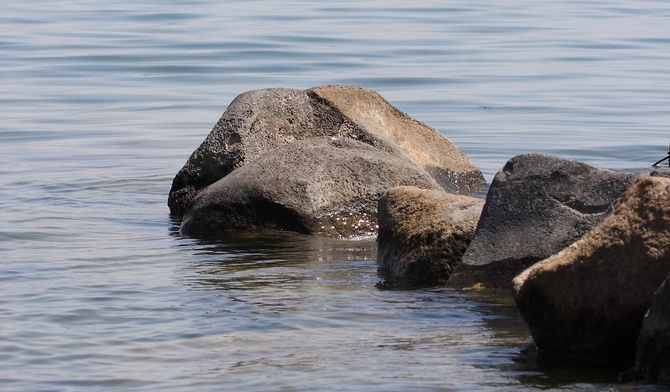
(102, 103)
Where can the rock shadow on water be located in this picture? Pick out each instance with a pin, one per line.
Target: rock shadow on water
(537, 369)
(550, 371)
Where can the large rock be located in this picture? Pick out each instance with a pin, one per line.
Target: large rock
(652, 362)
(258, 121)
(424, 233)
(588, 300)
(325, 186)
(537, 205)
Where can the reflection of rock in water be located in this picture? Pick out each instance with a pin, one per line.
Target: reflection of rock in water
(527, 364)
(275, 259)
(545, 370)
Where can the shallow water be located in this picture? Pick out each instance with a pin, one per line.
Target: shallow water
(102, 103)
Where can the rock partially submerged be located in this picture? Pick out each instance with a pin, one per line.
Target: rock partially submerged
(257, 122)
(536, 205)
(424, 233)
(588, 300)
(325, 186)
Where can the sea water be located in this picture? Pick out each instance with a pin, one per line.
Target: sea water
(103, 102)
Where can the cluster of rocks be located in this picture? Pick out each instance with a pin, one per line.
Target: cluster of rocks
(311, 161)
(584, 251)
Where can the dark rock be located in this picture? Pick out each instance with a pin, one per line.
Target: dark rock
(652, 363)
(536, 205)
(325, 186)
(588, 300)
(259, 121)
(424, 233)
(254, 123)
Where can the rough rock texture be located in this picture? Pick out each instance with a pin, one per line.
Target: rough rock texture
(424, 233)
(402, 134)
(652, 363)
(588, 300)
(537, 205)
(325, 186)
(258, 121)
(660, 173)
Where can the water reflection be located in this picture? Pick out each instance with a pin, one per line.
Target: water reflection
(280, 258)
(517, 356)
(303, 302)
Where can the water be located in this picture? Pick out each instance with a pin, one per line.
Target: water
(102, 103)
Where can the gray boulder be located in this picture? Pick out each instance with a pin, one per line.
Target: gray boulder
(588, 300)
(325, 186)
(537, 205)
(259, 121)
(424, 233)
(652, 359)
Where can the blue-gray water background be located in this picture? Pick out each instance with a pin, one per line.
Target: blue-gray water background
(103, 102)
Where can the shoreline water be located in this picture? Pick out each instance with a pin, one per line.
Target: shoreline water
(103, 103)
